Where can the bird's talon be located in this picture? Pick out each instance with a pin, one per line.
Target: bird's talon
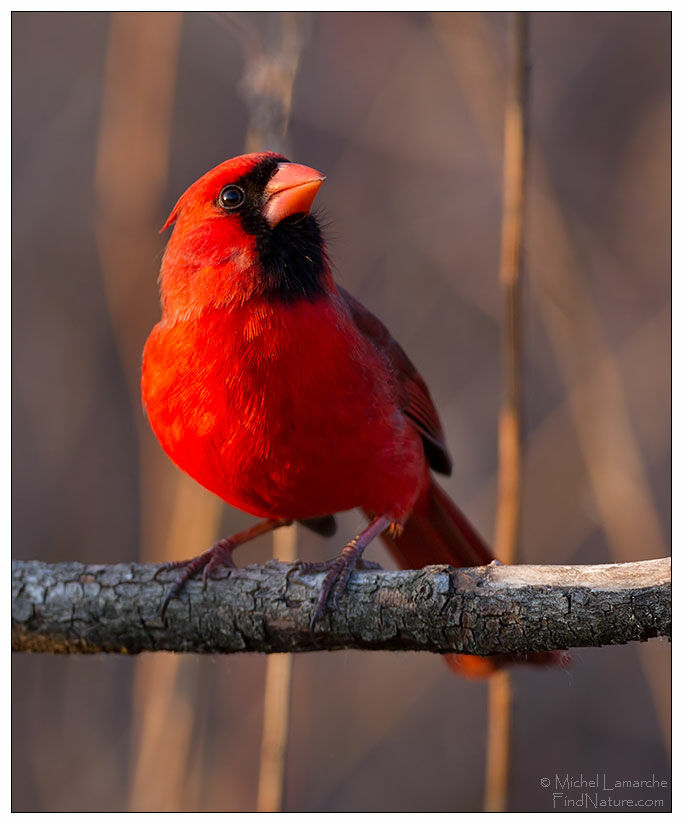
(164, 606)
(339, 588)
(163, 568)
(220, 553)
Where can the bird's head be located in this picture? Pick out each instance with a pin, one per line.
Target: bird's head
(242, 230)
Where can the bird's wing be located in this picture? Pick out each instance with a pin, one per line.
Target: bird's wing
(418, 405)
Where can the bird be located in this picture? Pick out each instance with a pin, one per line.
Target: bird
(275, 389)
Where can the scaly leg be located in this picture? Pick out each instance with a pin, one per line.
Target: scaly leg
(339, 569)
(220, 554)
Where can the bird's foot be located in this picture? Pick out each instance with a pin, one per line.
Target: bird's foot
(339, 571)
(220, 554)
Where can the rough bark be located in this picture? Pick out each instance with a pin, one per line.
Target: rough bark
(74, 608)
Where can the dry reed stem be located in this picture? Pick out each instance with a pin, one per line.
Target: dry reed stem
(509, 458)
(509, 423)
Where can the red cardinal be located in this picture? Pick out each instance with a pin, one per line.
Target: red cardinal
(275, 389)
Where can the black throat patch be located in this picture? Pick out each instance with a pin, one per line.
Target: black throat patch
(292, 253)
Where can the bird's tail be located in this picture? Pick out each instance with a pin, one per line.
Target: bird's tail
(438, 533)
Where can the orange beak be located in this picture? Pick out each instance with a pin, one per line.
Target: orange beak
(290, 191)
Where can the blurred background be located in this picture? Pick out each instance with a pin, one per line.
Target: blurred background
(114, 116)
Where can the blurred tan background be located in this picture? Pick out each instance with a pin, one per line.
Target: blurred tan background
(113, 117)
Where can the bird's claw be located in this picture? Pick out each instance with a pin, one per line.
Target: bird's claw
(166, 566)
(339, 571)
(220, 554)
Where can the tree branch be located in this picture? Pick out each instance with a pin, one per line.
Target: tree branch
(73, 608)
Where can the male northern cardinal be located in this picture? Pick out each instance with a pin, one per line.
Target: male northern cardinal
(275, 389)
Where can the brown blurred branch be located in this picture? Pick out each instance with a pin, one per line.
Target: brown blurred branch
(73, 608)
(509, 447)
(510, 414)
(272, 46)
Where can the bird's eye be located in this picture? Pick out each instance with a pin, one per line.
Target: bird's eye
(231, 197)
